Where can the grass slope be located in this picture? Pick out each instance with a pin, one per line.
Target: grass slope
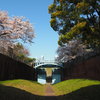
(25, 85)
(78, 89)
(74, 89)
(48, 71)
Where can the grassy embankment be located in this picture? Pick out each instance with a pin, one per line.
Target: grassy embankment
(75, 89)
(21, 90)
(78, 89)
(48, 71)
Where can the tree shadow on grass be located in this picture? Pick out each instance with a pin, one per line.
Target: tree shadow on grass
(12, 93)
(86, 93)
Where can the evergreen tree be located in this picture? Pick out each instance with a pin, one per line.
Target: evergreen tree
(76, 19)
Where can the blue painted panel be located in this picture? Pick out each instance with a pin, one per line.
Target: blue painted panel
(41, 78)
(56, 78)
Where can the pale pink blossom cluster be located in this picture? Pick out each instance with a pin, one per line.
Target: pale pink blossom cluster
(70, 51)
(14, 28)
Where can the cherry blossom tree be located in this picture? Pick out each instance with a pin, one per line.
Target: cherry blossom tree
(70, 50)
(14, 29)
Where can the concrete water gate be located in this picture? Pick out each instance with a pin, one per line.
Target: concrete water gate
(48, 73)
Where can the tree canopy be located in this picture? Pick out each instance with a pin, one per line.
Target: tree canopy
(14, 29)
(76, 19)
(13, 32)
(70, 51)
(20, 53)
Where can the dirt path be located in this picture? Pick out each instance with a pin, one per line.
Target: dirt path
(49, 91)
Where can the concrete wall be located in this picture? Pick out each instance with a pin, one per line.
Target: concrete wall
(89, 68)
(12, 69)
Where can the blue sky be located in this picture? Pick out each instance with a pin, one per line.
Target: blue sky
(45, 43)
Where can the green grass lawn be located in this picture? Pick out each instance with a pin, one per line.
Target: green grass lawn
(25, 85)
(74, 89)
(48, 71)
(78, 89)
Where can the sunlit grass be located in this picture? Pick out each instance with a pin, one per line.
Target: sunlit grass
(74, 89)
(29, 86)
(69, 86)
(48, 71)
